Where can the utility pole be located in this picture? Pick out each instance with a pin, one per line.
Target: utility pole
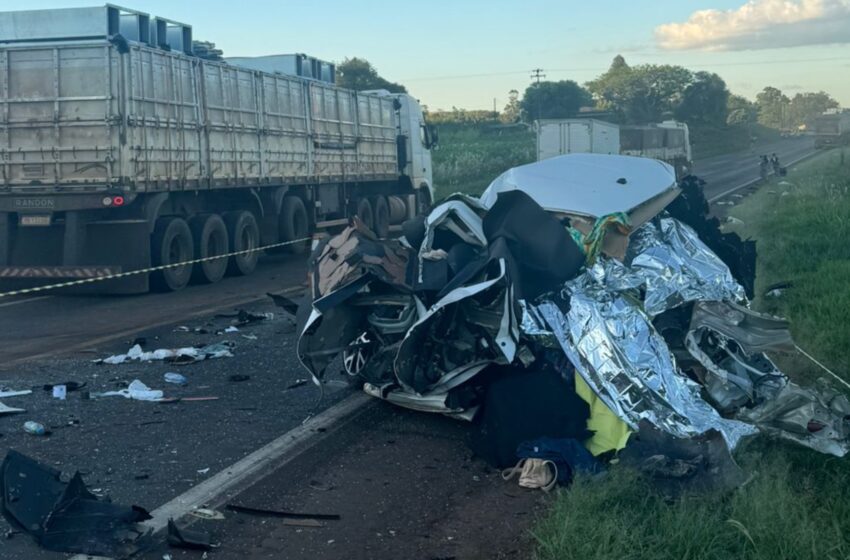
(536, 75)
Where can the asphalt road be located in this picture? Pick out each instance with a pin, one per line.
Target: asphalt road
(42, 324)
(727, 171)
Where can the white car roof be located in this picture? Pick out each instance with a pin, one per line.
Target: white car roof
(587, 184)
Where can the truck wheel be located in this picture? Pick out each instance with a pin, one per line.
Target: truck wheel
(364, 212)
(294, 224)
(423, 201)
(210, 235)
(171, 243)
(243, 234)
(382, 216)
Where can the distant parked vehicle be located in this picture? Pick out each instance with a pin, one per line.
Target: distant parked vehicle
(668, 141)
(832, 129)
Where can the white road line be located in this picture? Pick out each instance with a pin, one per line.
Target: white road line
(218, 488)
(22, 301)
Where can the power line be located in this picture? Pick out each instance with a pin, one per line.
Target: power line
(597, 69)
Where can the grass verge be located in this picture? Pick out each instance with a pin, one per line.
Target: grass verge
(797, 505)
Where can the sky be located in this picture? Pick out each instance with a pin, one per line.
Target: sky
(470, 53)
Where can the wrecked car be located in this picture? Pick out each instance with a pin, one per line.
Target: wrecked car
(601, 268)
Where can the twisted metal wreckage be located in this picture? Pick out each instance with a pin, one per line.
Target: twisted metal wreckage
(604, 260)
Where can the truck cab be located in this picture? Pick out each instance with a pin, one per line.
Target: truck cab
(415, 141)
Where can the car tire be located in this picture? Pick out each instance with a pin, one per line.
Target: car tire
(171, 243)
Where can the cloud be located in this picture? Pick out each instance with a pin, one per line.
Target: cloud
(760, 24)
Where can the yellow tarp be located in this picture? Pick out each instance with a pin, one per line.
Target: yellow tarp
(610, 433)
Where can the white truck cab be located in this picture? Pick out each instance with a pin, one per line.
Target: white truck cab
(416, 139)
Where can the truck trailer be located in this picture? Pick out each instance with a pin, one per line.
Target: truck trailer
(831, 129)
(668, 141)
(121, 150)
(557, 137)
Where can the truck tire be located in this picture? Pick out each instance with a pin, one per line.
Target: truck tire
(423, 201)
(294, 224)
(243, 234)
(382, 216)
(210, 235)
(171, 243)
(365, 213)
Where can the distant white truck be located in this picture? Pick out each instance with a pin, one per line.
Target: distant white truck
(832, 129)
(572, 136)
(668, 141)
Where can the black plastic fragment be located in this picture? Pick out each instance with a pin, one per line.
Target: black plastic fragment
(66, 517)
(188, 538)
(284, 514)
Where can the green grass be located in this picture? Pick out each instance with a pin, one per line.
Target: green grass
(470, 156)
(797, 505)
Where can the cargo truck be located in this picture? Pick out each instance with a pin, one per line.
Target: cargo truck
(668, 141)
(121, 150)
(831, 129)
(570, 136)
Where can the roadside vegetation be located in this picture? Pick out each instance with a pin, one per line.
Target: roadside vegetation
(709, 141)
(797, 504)
(471, 155)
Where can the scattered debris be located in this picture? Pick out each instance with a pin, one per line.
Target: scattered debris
(188, 538)
(249, 336)
(70, 386)
(209, 514)
(239, 377)
(136, 391)
(9, 410)
(283, 514)
(297, 383)
(204, 471)
(67, 517)
(776, 290)
(35, 428)
(8, 393)
(231, 330)
(176, 379)
(242, 317)
(285, 303)
(176, 356)
(60, 392)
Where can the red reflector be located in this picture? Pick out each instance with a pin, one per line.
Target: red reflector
(118, 201)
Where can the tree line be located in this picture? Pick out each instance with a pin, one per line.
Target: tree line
(627, 94)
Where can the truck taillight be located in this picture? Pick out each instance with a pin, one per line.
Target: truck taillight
(107, 201)
(118, 201)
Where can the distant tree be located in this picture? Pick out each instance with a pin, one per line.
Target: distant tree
(359, 74)
(805, 106)
(640, 94)
(773, 108)
(554, 100)
(512, 111)
(704, 100)
(741, 111)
